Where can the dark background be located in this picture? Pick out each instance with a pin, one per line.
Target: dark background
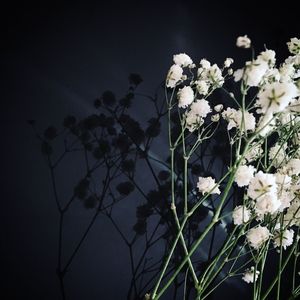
(56, 57)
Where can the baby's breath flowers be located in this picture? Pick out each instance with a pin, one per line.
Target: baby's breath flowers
(257, 236)
(243, 42)
(174, 76)
(284, 239)
(244, 174)
(207, 185)
(241, 215)
(262, 124)
(185, 96)
(249, 276)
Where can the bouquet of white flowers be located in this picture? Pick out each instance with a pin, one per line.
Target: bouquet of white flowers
(263, 132)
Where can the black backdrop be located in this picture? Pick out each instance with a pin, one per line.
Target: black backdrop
(56, 57)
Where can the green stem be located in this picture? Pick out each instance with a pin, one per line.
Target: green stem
(276, 278)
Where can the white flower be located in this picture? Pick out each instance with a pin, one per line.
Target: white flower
(229, 115)
(283, 180)
(287, 72)
(268, 56)
(202, 87)
(275, 97)
(272, 75)
(295, 106)
(267, 204)
(255, 71)
(236, 118)
(292, 216)
(277, 154)
(205, 64)
(228, 62)
(243, 175)
(182, 60)
(287, 238)
(201, 108)
(243, 42)
(241, 215)
(215, 118)
(285, 197)
(206, 184)
(218, 108)
(193, 121)
(230, 71)
(257, 236)
(266, 124)
(174, 75)
(249, 275)
(294, 45)
(293, 167)
(238, 75)
(254, 152)
(213, 75)
(185, 96)
(262, 184)
(245, 120)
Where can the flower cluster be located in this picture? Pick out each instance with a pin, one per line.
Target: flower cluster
(263, 135)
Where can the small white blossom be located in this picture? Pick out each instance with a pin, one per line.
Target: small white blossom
(202, 87)
(182, 60)
(192, 121)
(243, 42)
(201, 108)
(285, 197)
(286, 240)
(243, 175)
(266, 124)
(241, 215)
(267, 204)
(255, 71)
(213, 75)
(292, 216)
(253, 153)
(228, 62)
(206, 184)
(268, 56)
(230, 71)
(257, 236)
(249, 275)
(287, 72)
(262, 184)
(174, 76)
(205, 64)
(283, 181)
(293, 167)
(236, 118)
(215, 118)
(238, 75)
(275, 97)
(218, 108)
(277, 154)
(294, 45)
(185, 96)
(272, 75)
